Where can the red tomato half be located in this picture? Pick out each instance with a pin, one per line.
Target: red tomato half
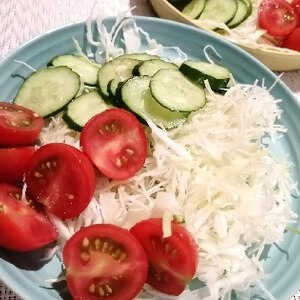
(115, 142)
(13, 163)
(292, 41)
(172, 260)
(296, 6)
(22, 228)
(19, 126)
(277, 17)
(62, 178)
(104, 262)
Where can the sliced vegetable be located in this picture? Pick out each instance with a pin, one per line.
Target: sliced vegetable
(114, 72)
(115, 142)
(104, 262)
(219, 10)
(277, 17)
(87, 69)
(241, 14)
(151, 66)
(62, 178)
(19, 126)
(22, 228)
(172, 260)
(197, 71)
(176, 92)
(83, 108)
(194, 8)
(13, 163)
(136, 96)
(296, 6)
(47, 91)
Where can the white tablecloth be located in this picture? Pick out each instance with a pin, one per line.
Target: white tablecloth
(21, 20)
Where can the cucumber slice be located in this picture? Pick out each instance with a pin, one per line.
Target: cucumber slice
(197, 71)
(241, 14)
(83, 108)
(86, 69)
(150, 67)
(138, 56)
(194, 9)
(176, 92)
(136, 96)
(47, 91)
(219, 10)
(116, 70)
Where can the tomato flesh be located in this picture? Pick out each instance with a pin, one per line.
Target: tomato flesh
(62, 178)
(292, 41)
(22, 228)
(104, 261)
(13, 163)
(172, 260)
(115, 142)
(19, 126)
(277, 17)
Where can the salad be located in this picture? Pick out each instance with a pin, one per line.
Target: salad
(267, 24)
(127, 195)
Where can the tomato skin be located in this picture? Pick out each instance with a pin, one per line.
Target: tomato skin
(115, 142)
(13, 163)
(22, 228)
(62, 178)
(19, 126)
(172, 260)
(292, 41)
(90, 264)
(277, 17)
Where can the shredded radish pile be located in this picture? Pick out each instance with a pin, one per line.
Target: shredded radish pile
(213, 171)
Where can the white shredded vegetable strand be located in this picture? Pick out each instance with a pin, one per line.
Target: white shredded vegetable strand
(215, 171)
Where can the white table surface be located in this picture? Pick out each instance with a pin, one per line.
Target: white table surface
(22, 20)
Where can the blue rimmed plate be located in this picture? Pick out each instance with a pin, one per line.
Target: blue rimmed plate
(28, 276)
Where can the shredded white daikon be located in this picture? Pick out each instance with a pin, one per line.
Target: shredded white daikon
(215, 172)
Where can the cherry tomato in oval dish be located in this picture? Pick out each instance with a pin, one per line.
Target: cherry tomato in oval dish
(115, 142)
(62, 178)
(13, 163)
(277, 17)
(19, 126)
(104, 261)
(172, 260)
(292, 41)
(22, 228)
(296, 6)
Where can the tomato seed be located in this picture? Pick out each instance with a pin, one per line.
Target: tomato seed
(98, 244)
(85, 242)
(118, 162)
(1, 208)
(92, 288)
(101, 291)
(38, 175)
(105, 246)
(108, 289)
(129, 151)
(122, 257)
(84, 256)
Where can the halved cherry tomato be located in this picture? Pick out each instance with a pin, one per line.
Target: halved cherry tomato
(277, 17)
(22, 228)
(115, 142)
(19, 126)
(13, 163)
(292, 41)
(172, 260)
(104, 261)
(62, 178)
(296, 6)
